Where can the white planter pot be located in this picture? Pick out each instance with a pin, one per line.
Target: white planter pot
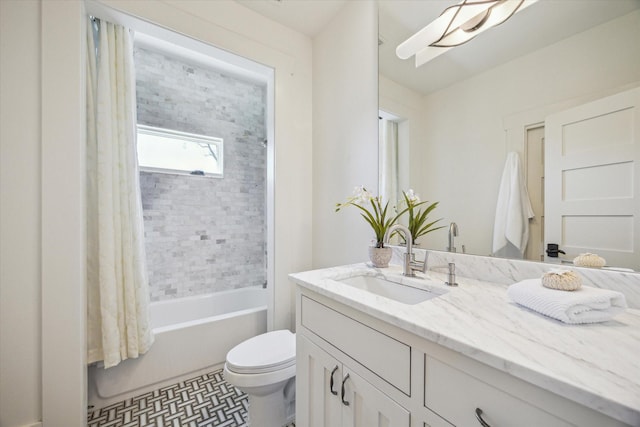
(380, 257)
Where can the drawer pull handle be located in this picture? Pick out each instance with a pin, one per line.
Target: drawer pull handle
(482, 422)
(344, 402)
(335, 393)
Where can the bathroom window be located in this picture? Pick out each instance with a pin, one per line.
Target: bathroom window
(170, 151)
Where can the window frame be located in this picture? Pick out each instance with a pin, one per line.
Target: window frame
(184, 136)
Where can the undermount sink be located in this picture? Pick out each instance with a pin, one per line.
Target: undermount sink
(389, 289)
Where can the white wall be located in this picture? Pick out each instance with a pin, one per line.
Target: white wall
(20, 360)
(345, 136)
(63, 246)
(37, 381)
(42, 332)
(462, 153)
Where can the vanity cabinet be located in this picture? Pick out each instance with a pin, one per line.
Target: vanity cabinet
(329, 393)
(334, 354)
(463, 400)
(354, 369)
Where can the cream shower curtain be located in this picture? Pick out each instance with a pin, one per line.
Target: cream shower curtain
(388, 161)
(117, 284)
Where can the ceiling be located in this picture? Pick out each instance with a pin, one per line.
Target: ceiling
(305, 16)
(544, 23)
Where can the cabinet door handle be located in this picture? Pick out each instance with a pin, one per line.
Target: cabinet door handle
(335, 393)
(482, 422)
(344, 402)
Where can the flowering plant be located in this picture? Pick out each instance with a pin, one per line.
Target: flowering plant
(372, 211)
(417, 216)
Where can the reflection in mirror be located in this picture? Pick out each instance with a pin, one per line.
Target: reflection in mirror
(392, 157)
(464, 111)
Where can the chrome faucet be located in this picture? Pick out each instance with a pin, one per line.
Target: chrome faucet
(409, 264)
(453, 232)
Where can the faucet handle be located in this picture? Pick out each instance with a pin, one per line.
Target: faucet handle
(417, 265)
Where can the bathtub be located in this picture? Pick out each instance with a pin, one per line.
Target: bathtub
(192, 335)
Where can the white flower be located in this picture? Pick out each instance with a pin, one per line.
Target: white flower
(373, 210)
(412, 196)
(361, 195)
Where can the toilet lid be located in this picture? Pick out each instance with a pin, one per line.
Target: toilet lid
(263, 353)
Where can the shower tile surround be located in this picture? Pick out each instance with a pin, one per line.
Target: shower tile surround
(203, 234)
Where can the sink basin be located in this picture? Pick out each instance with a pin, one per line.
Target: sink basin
(388, 289)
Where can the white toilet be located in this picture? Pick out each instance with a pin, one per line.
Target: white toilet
(264, 367)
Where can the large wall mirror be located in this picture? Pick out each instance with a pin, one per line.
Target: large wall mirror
(456, 118)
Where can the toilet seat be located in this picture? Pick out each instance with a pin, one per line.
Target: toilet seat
(273, 351)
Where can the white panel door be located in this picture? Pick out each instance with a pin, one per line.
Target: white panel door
(592, 179)
(317, 396)
(366, 406)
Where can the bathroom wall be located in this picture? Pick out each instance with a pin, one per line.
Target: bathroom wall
(20, 339)
(462, 153)
(203, 234)
(345, 131)
(42, 259)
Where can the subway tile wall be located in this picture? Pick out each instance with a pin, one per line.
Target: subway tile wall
(203, 234)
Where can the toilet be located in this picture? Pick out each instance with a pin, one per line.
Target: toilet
(264, 368)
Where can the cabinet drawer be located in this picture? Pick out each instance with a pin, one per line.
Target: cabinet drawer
(387, 357)
(455, 395)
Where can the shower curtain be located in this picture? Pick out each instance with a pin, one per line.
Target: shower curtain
(117, 285)
(388, 161)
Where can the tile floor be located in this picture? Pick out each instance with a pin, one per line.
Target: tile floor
(204, 401)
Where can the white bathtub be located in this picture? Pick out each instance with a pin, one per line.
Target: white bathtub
(191, 335)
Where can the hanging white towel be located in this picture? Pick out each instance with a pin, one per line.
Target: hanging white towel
(513, 211)
(585, 305)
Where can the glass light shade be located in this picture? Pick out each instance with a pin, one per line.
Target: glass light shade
(457, 25)
(461, 33)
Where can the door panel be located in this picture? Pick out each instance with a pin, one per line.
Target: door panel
(369, 407)
(592, 179)
(316, 406)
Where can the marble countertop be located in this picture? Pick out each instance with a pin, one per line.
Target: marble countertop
(596, 365)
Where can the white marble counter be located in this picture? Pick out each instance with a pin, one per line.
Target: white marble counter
(508, 271)
(596, 365)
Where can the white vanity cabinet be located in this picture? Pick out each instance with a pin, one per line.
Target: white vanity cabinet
(331, 389)
(331, 394)
(354, 369)
(463, 400)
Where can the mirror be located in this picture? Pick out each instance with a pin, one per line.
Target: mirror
(459, 115)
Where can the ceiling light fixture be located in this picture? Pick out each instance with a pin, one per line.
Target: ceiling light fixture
(457, 25)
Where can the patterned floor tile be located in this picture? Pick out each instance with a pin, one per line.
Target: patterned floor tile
(204, 401)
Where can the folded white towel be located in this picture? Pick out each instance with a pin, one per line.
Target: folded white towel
(585, 305)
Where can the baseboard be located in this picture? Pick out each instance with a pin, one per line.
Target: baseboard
(36, 424)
